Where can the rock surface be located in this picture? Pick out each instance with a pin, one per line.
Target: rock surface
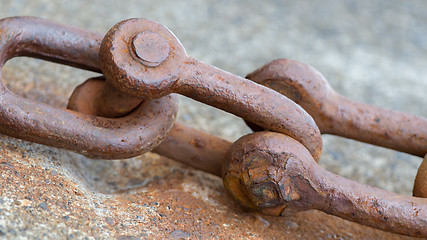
(371, 52)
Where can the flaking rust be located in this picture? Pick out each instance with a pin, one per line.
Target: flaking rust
(158, 210)
(294, 182)
(131, 109)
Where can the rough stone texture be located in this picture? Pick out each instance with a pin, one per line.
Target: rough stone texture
(370, 51)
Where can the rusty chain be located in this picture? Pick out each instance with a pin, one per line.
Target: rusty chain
(131, 109)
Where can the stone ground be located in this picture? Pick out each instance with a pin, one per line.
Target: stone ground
(370, 51)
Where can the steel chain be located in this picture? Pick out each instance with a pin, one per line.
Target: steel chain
(131, 110)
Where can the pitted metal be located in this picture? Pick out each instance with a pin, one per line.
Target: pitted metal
(131, 109)
(93, 136)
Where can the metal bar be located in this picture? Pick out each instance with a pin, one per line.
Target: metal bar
(337, 115)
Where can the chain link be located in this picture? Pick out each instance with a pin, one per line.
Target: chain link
(131, 110)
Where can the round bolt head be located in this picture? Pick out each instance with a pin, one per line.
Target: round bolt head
(151, 48)
(134, 58)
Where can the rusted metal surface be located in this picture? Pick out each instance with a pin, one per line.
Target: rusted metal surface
(420, 184)
(273, 173)
(153, 198)
(94, 97)
(337, 115)
(92, 136)
(184, 144)
(130, 110)
(187, 76)
(195, 148)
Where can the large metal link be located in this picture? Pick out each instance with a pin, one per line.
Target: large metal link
(95, 137)
(265, 171)
(337, 115)
(125, 69)
(273, 173)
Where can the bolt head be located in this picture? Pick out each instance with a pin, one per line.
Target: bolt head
(150, 48)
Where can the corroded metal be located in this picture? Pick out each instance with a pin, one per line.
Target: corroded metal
(195, 148)
(275, 174)
(184, 144)
(420, 184)
(92, 136)
(131, 110)
(187, 76)
(340, 116)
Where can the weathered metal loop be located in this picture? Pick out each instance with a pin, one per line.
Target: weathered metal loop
(337, 115)
(92, 136)
(276, 175)
(266, 171)
(181, 74)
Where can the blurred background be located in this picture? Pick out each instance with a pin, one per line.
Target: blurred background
(370, 51)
